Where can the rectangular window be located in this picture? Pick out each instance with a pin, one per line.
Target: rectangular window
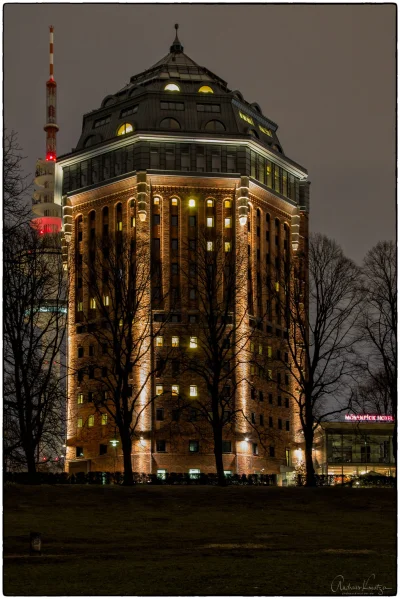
(174, 244)
(128, 111)
(91, 350)
(79, 452)
(193, 391)
(280, 423)
(81, 352)
(210, 246)
(277, 186)
(102, 121)
(159, 389)
(93, 303)
(175, 389)
(156, 219)
(287, 425)
(91, 420)
(193, 446)
(255, 449)
(193, 342)
(200, 160)
(161, 445)
(228, 222)
(208, 108)
(253, 418)
(270, 422)
(175, 341)
(271, 451)
(286, 402)
(194, 473)
(192, 221)
(119, 225)
(216, 162)
(159, 341)
(90, 396)
(106, 300)
(270, 398)
(227, 246)
(227, 203)
(185, 161)
(159, 414)
(174, 268)
(102, 449)
(162, 474)
(156, 244)
(261, 420)
(154, 159)
(269, 173)
(260, 349)
(226, 446)
(279, 400)
(80, 398)
(79, 423)
(104, 418)
(210, 221)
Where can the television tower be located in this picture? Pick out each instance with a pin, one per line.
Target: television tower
(48, 213)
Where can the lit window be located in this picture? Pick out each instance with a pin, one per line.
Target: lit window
(205, 89)
(156, 201)
(175, 389)
(227, 223)
(80, 306)
(159, 390)
(175, 341)
(121, 322)
(91, 421)
(193, 342)
(119, 225)
(80, 423)
(193, 391)
(159, 341)
(162, 474)
(246, 118)
(193, 446)
(269, 375)
(210, 203)
(93, 303)
(227, 246)
(251, 346)
(125, 128)
(174, 202)
(269, 351)
(133, 221)
(260, 349)
(209, 246)
(172, 87)
(80, 397)
(210, 221)
(277, 286)
(104, 418)
(252, 369)
(106, 300)
(227, 203)
(266, 131)
(192, 203)
(194, 473)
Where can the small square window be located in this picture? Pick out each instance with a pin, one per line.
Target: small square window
(104, 418)
(192, 319)
(193, 391)
(175, 389)
(174, 202)
(227, 246)
(226, 446)
(193, 446)
(210, 246)
(103, 449)
(91, 420)
(227, 223)
(194, 473)
(161, 445)
(193, 342)
(192, 203)
(156, 201)
(175, 341)
(159, 414)
(80, 398)
(210, 221)
(159, 341)
(159, 389)
(162, 474)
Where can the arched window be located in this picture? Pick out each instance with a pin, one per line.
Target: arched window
(214, 126)
(118, 216)
(206, 89)
(210, 203)
(169, 124)
(172, 87)
(124, 129)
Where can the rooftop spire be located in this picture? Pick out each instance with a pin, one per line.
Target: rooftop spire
(176, 47)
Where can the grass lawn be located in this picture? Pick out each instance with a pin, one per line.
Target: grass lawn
(177, 540)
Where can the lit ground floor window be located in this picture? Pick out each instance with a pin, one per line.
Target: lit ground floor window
(162, 474)
(194, 472)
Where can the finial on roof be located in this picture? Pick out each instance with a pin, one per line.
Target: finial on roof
(176, 46)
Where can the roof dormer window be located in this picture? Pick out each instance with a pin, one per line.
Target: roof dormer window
(246, 118)
(206, 89)
(171, 87)
(124, 129)
(266, 131)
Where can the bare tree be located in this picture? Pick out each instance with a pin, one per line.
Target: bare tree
(213, 282)
(118, 277)
(378, 325)
(316, 296)
(16, 186)
(34, 327)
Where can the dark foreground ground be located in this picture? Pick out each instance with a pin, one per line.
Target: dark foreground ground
(199, 540)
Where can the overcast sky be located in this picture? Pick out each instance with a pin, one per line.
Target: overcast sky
(324, 73)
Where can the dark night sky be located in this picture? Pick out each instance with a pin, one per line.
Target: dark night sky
(324, 73)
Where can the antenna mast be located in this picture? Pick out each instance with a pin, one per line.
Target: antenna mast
(51, 126)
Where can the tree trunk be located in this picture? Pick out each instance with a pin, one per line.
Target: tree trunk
(127, 453)
(218, 456)
(310, 474)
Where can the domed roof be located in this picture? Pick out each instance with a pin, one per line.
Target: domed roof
(178, 95)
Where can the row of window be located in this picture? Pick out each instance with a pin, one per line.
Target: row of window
(259, 395)
(90, 419)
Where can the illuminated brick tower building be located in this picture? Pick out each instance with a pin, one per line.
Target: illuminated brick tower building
(171, 150)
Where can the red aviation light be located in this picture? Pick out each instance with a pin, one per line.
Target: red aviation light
(51, 157)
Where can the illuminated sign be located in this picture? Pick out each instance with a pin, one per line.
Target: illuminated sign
(368, 418)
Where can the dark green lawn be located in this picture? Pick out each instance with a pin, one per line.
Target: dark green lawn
(197, 540)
